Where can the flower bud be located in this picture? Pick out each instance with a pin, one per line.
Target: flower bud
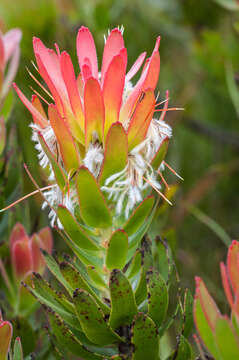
(25, 251)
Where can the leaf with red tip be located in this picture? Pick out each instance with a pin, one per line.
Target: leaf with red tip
(22, 258)
(93, 208)
(35, 113)
(226, 284)
(203, 328)
(113, 87)
(116, 152)
(135, 67)
(141, 118)
(49, 68)
(160, 154)
(113, 45)
(94, 110)
(85, 46)
(5, 338)
(65, 140)
(209, 307)
(69, 78)
(17, 233)
(232, 265)
(148, 79)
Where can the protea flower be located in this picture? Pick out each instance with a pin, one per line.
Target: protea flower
(219, 332)
(99, 122)
(9, 55)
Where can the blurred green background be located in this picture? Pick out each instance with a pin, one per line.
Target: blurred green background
(199, 63)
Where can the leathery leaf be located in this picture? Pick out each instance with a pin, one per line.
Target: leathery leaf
(116, 152)
(55, 301)
(92, 319)
(144, 338)
(65, 339)
(93, 207)
(123, 305)
(157, 296)
(74, 230)
(117, 250)
(147, 263)
(160, 155)
(76, 281)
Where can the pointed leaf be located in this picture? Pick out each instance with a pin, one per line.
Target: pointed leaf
(141, 118)
(94, 110)
(157, 297)
(232, 265)
(92, 319)
(139, 216)
(123, 305)
(86, 50)
(113, 87)
(17, 351)
(135, 265)
(188, 314)
(76, 281)
(74, 230)
(147, 263)
(144, 338)
(160, 155)
(117, 250)
(116, 152)
(184, 351)
(65, 140)
(93, 208)
(66, 340)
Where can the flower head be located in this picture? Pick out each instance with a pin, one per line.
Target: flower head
(100, 120)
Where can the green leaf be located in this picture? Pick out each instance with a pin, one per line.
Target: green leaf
(2, 134)
(135, 239)
(160, 155)
(144, 338)
(74, 230)
(85, 257)
(226, 339)
(139, 216)
(55, 301)
(157, 297)
(204, 329)
(147, 263)
(55, 269)
(7, 105)
(76, 281)
(24, 330)
(66, 340)
(188, 313)
(123, 305)
(17, 351)
(135, 265)
(92, 319)
(96, 277)
(117, 250)
(58, 171)
(116, 152)
(184, 351)
(162, 258)
(93, 208)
